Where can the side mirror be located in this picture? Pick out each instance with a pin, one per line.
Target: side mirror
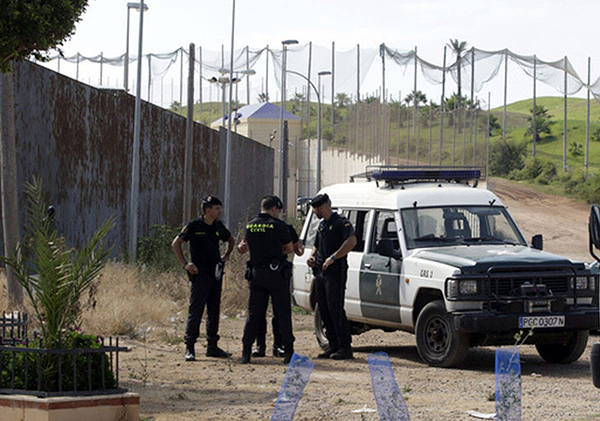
(594, 230)
(595, 364)
(386, 247)
(594, 226)
(537, 242)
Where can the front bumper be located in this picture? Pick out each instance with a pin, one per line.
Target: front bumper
(490, 322)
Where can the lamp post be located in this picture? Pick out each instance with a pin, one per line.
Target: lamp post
(135, 167)
(318, 92)
(137, 7)
(283, 70)
(228, 81)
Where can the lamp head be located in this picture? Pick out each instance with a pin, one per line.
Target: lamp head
(136, 6)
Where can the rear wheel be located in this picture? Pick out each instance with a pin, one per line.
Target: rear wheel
(438, 343)
(567, 352)
(320, 331)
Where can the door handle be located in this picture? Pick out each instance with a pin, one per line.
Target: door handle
(367, 266)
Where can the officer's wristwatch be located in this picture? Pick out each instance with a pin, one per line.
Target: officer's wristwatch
(332, 257)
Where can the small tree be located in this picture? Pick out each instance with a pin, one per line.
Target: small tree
(542, 123)
(31, 28)
(53, 275)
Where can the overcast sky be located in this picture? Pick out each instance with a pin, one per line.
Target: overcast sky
(549, 28)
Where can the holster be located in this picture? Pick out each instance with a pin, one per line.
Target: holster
(248, 273)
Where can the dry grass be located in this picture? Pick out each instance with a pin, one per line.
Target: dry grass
(131, 301)
(127, 300)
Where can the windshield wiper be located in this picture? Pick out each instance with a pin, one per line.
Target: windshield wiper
(431, 237)
(490, 239)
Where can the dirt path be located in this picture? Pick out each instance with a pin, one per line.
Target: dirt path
(210, 389)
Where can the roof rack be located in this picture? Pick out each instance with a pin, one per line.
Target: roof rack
(404, 174)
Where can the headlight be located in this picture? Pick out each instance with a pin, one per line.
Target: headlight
(458, 287)
(581, 282)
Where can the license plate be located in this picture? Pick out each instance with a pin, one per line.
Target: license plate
(541, 321)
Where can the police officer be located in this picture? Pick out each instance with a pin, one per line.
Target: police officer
(268, 240)
(335, 239)
(261, 339)
(205, 273)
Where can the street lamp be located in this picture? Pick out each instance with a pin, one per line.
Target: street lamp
(137, 7)
(281, 191)
(224, 80)
(135, 166)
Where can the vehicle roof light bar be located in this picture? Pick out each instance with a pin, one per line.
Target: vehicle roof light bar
(397, 174)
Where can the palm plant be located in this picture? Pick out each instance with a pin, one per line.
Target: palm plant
(459, 47)
(53, 275)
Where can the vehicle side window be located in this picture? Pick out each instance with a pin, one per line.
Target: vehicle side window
(385, 227)
(360, 222)
(311, 234)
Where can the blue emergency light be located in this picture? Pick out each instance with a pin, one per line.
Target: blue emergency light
(405, 174)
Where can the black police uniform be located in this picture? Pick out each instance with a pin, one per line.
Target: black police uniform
(205, 285)
(331, 283)
(265, 235)
(261, 341)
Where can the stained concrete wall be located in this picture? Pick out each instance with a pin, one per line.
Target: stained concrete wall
(78, 139)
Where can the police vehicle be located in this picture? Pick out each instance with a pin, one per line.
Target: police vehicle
(441, 258)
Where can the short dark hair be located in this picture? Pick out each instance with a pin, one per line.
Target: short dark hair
(210, 201)
(269, 202)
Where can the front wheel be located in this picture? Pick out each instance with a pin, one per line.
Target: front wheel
(320, 331)
(567, 352)
(438, 343)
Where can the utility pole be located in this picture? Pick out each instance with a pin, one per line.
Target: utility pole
(8, 183)
(189, 131)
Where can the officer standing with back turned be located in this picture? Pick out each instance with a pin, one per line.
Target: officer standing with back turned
(335, 239)
(268, 239)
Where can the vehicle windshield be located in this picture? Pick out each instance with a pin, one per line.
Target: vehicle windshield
(458, 225)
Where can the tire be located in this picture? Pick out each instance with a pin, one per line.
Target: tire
(567, 352)
(439, 345)
(320, 331)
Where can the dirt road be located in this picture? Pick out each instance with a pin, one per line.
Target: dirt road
(211, 389)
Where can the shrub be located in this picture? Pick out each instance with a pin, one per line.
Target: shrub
(537, 169)
(506, 157)
(76, 371)
(155, 250)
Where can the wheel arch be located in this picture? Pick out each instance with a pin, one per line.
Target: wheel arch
(424, 297)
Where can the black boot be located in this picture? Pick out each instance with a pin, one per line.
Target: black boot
(190, 354)
(344, 353)
(216, 352)
(328, 352)
(258, 352)
(246, 356)
(278, 351)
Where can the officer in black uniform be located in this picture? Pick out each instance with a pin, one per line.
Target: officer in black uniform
(205, 272)
(268, 240)
(261, 339)
(335, 239)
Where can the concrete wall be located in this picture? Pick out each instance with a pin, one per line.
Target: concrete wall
(78, 139)
(337, 166)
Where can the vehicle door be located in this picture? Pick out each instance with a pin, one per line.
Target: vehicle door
(380, 274)
(360, 220)
(302, 278)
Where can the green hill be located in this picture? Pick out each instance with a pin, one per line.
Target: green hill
(551, 147)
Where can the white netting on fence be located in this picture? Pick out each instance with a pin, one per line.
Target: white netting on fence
(349, 70)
